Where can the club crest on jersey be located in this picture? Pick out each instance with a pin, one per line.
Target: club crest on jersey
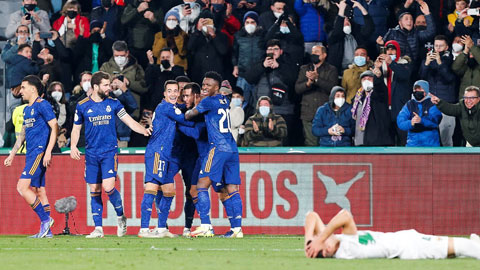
(177, 111)
(32, 112)
(108, 108)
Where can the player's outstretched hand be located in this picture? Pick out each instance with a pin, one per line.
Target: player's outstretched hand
(8, 161)
(148, 131)
(74, 153)
(47, 159)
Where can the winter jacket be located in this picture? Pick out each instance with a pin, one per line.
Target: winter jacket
(312, 23)
(16, 20)
(317, 94)
(180, 50)
(468, 76)
(265, 137)
(469, 119)
(20, 66)
(83, 54)
(351, 80)
(326, 117)
(426, 132)
(206, 54)
(247, 49)
(114, 30)
(336, 38)
(141, 31)
(155, 80)
(410, 41)
(266, 19)
(78, 20)
(440, 78)
(9, 51)
(378, 11)
(291, 43)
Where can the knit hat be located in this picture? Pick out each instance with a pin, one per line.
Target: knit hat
(96, 23)
(367, 73)
(423, 84)
(172, 12)
(251, 14)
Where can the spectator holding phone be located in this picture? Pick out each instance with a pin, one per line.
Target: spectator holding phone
(188, 13)
(31, 16)
(459, 19)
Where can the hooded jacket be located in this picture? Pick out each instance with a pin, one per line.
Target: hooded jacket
(469, 119)
(326, 117)
(265, 137)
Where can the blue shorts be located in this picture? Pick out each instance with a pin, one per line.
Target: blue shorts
(34, 169)
(223, 168)
(99, 167)
(158, 171)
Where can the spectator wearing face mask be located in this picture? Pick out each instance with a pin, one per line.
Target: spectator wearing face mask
(370, 112)
(346, 36)
(80, 92)
(223, 18)
(237, 115)
(333, 123)
(351, 76)
(459, 22)
(70, 23)
(466, 65)
(247, 49)
(90, 53)
(56, 96)
(420, 118)
(188, 12)
(30, 15)
(457, 47)
(269, 17)
(436, 70)
(173, 37)
(265, 128)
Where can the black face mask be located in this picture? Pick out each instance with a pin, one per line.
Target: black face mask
(72, 14)
(106, 3)
(165, 64)
(95, 37)
(30, 7)
(315, 58)
(421, 27)
(472, 63)
(418, 95)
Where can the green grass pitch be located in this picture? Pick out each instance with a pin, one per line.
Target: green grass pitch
(131, 252)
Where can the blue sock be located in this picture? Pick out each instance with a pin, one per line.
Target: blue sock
(38, 208)
(116, 201)
(189, 210)
(228, 205)
(97, 207)
(237, 209)
(204, 205)
(164, 210)
(147, 203)
(46, 208)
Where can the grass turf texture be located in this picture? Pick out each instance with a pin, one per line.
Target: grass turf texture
(131, 252)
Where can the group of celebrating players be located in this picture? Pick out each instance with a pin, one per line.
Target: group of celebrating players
(207, 122)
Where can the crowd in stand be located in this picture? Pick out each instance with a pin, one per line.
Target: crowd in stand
(298, 72)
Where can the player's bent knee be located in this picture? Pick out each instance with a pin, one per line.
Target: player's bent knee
(22, 186)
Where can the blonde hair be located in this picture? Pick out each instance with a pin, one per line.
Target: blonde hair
(69, 4)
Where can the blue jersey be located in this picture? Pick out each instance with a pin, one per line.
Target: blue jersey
(164, 121)
(199, 133)
(99, 119)
(217, 118)
(35, 121)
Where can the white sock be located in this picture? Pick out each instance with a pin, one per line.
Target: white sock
(466, 248)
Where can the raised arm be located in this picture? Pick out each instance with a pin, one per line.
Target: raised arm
(51, 142)
(190, 114)
(18, 144)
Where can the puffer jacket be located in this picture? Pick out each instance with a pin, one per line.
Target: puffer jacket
(426, 132)
(312, 23)
(326, 117)
(247, 49)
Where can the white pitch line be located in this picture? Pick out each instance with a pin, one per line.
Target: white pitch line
(156, 249)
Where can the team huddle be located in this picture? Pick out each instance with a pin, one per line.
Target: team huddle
(207, 123)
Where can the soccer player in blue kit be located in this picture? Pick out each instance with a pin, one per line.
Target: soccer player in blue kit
(160, 166)
(40, 131)
(98, 112)
(221, 168)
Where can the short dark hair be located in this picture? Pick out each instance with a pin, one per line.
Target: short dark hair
(182, 79)
(164, 49)
(83, 73)
(272, 43)
(23, 46)
(361, 48)
(34, 81)
(237, 90)
(441, 37)
(120, 46)
(169, 82)
(279, 1)
(194, 86)
(473, 88)
(214, 76)
(98, 76)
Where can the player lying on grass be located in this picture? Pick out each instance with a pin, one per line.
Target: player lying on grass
(40, 131)
(320, 242)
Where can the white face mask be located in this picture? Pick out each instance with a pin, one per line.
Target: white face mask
(86, 86)
(347, 29)
(121, 61)
(237, 102)
(339, 102)
(57, 95)
(264, 110)
(277, 14)
(367, 85)
(456, 47)
(171, 24)
(118, 92)
(250, 28)
(393, 57)
(284, 30)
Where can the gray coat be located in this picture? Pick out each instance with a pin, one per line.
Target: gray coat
(16, 20)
